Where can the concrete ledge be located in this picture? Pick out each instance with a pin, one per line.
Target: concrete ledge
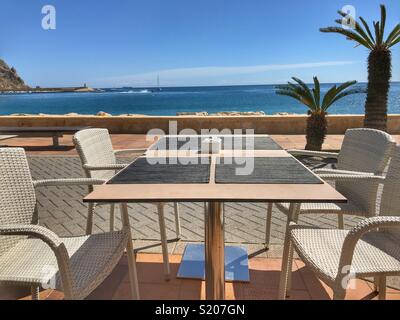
(292, 124)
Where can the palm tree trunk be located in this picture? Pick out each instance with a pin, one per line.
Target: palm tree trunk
(379, 75)
(317, 128)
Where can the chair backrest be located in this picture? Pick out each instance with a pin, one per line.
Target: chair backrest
(17, 193)
(95, 148)
(365, 150)
(390, 198)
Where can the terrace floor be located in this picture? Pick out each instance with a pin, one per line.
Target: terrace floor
(62, 211)
(264, 284)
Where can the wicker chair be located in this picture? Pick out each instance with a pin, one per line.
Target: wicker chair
(99, 161)
(31, 255)
(371, 249)
(364, 152)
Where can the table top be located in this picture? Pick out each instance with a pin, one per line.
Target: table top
(210, 190)
(2, 137)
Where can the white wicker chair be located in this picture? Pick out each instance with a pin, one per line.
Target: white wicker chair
(31, 255)
(371, 249)
(99, 161)
(364, 152)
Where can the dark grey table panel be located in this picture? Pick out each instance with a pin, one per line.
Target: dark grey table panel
(263, 171)
(148, 171)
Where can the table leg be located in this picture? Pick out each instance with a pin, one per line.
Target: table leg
(214, 252)
(56, 142)
(134, 282)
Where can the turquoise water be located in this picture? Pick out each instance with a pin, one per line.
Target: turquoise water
(169, 101)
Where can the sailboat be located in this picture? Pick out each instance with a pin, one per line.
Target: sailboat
(158, 88)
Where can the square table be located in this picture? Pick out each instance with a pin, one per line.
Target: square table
(296, 184)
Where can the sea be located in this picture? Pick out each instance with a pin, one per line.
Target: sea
(170, 101)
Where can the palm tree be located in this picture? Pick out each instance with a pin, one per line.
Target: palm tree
(379, 63)
(317, 125)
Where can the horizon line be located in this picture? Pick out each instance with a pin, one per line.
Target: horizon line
(225, 85)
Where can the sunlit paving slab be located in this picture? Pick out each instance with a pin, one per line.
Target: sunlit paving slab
(264, 274)
(236, 263)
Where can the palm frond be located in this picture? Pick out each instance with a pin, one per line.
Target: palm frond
(366, 26)
(307, 97)
(357, 27)
(345, 85)
(336, 93)
(307, 91)
(293, 95)
(378, 36)
(298, 92)
(394, 42)
(317, 93)
(345, 94)
(349, 34)
(329, 96)
(392, 36)
(383, 21)
(312, 98)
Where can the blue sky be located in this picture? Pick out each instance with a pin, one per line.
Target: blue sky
(187, 42)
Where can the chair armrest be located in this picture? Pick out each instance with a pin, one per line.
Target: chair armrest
(47, 236)
(321, 154)
(374, 223)
(342, 172)
(359, 231)
(351, 178)
(55, 244)
(103, 167)
(68, 182)
(128, 151)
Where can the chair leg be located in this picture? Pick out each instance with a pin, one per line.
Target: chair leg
(293, 217)
(287, 258)
(341, 221)
(287, 265)
(382, 288)
(178, 229)
(164, 241)
(112, 217)
(89, 221)
(268, 226)
(339, 294)
(131, 254)
(376, 284)
(35, 293)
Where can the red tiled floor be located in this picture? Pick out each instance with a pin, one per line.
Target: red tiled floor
(264, 275)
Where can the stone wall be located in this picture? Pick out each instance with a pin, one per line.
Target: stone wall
(291, 124)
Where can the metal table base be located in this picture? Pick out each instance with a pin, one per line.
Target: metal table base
(208, 261)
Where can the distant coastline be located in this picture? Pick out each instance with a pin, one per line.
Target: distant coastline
(49, 90)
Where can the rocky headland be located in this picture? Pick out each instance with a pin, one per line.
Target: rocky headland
(10, 80)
